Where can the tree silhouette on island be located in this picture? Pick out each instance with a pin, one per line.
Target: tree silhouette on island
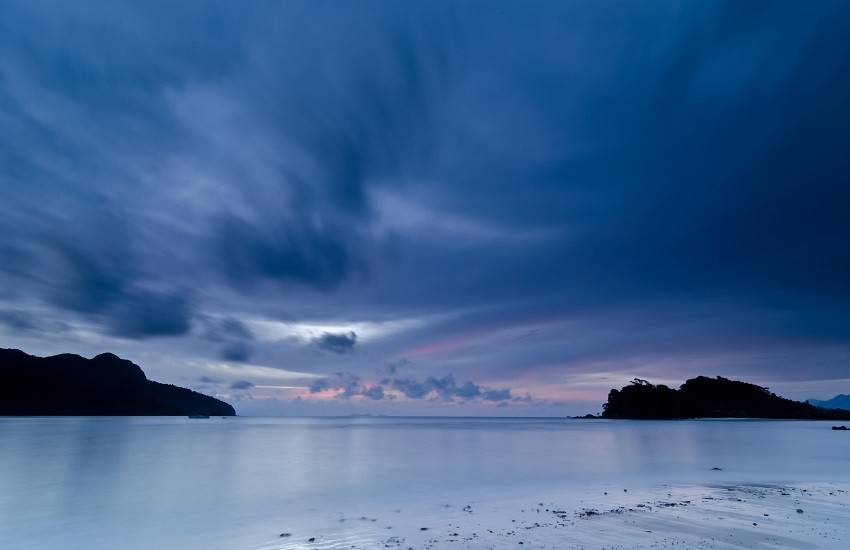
(705, 397)
(106, 385)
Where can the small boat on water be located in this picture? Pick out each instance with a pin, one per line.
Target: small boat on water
(199, 416)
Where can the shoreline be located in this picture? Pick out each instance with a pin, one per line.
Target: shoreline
(790, 515)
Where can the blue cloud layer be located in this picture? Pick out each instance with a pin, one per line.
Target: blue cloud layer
(654, 180)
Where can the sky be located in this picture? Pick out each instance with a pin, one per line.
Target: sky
(448, 208)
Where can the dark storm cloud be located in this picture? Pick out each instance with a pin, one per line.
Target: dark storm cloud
(224, 329)
(234, 336)
(142, 314)
(18, 321)
(105, 288)
(521, 165)
(391, 367)
(497, 395)
(284, 252)
(724, 182)
(86, 269)
(345, 383)
(411, 388)
(339, 343)
(343, 117)
(375, 393)
(296, 208)
(241, 385)
(320, 384)
(236, 351)
(447, 389)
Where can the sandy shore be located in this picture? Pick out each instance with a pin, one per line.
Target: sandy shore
(733, 516)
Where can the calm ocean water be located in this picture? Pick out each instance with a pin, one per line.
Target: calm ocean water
(151, 482)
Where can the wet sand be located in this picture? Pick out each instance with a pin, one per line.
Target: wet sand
(813, 515)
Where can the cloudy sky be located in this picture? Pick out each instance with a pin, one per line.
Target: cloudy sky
(426, 207)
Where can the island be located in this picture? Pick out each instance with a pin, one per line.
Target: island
(705, 397)
(106, 385)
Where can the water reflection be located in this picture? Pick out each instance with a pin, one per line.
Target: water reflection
(99, 480)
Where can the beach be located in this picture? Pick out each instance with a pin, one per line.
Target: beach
(424, 483)
(739, 516)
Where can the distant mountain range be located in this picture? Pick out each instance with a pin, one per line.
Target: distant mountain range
(704, 397)
(840, 401)
(105, 385)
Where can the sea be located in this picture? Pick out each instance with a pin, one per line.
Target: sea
(242, 482)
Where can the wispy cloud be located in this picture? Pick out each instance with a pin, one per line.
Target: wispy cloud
(514, 193)
(348, 385)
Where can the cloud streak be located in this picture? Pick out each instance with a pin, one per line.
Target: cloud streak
(649, 187)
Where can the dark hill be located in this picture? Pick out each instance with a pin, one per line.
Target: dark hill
(105, 385)
(840, 401)
(704, 397)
